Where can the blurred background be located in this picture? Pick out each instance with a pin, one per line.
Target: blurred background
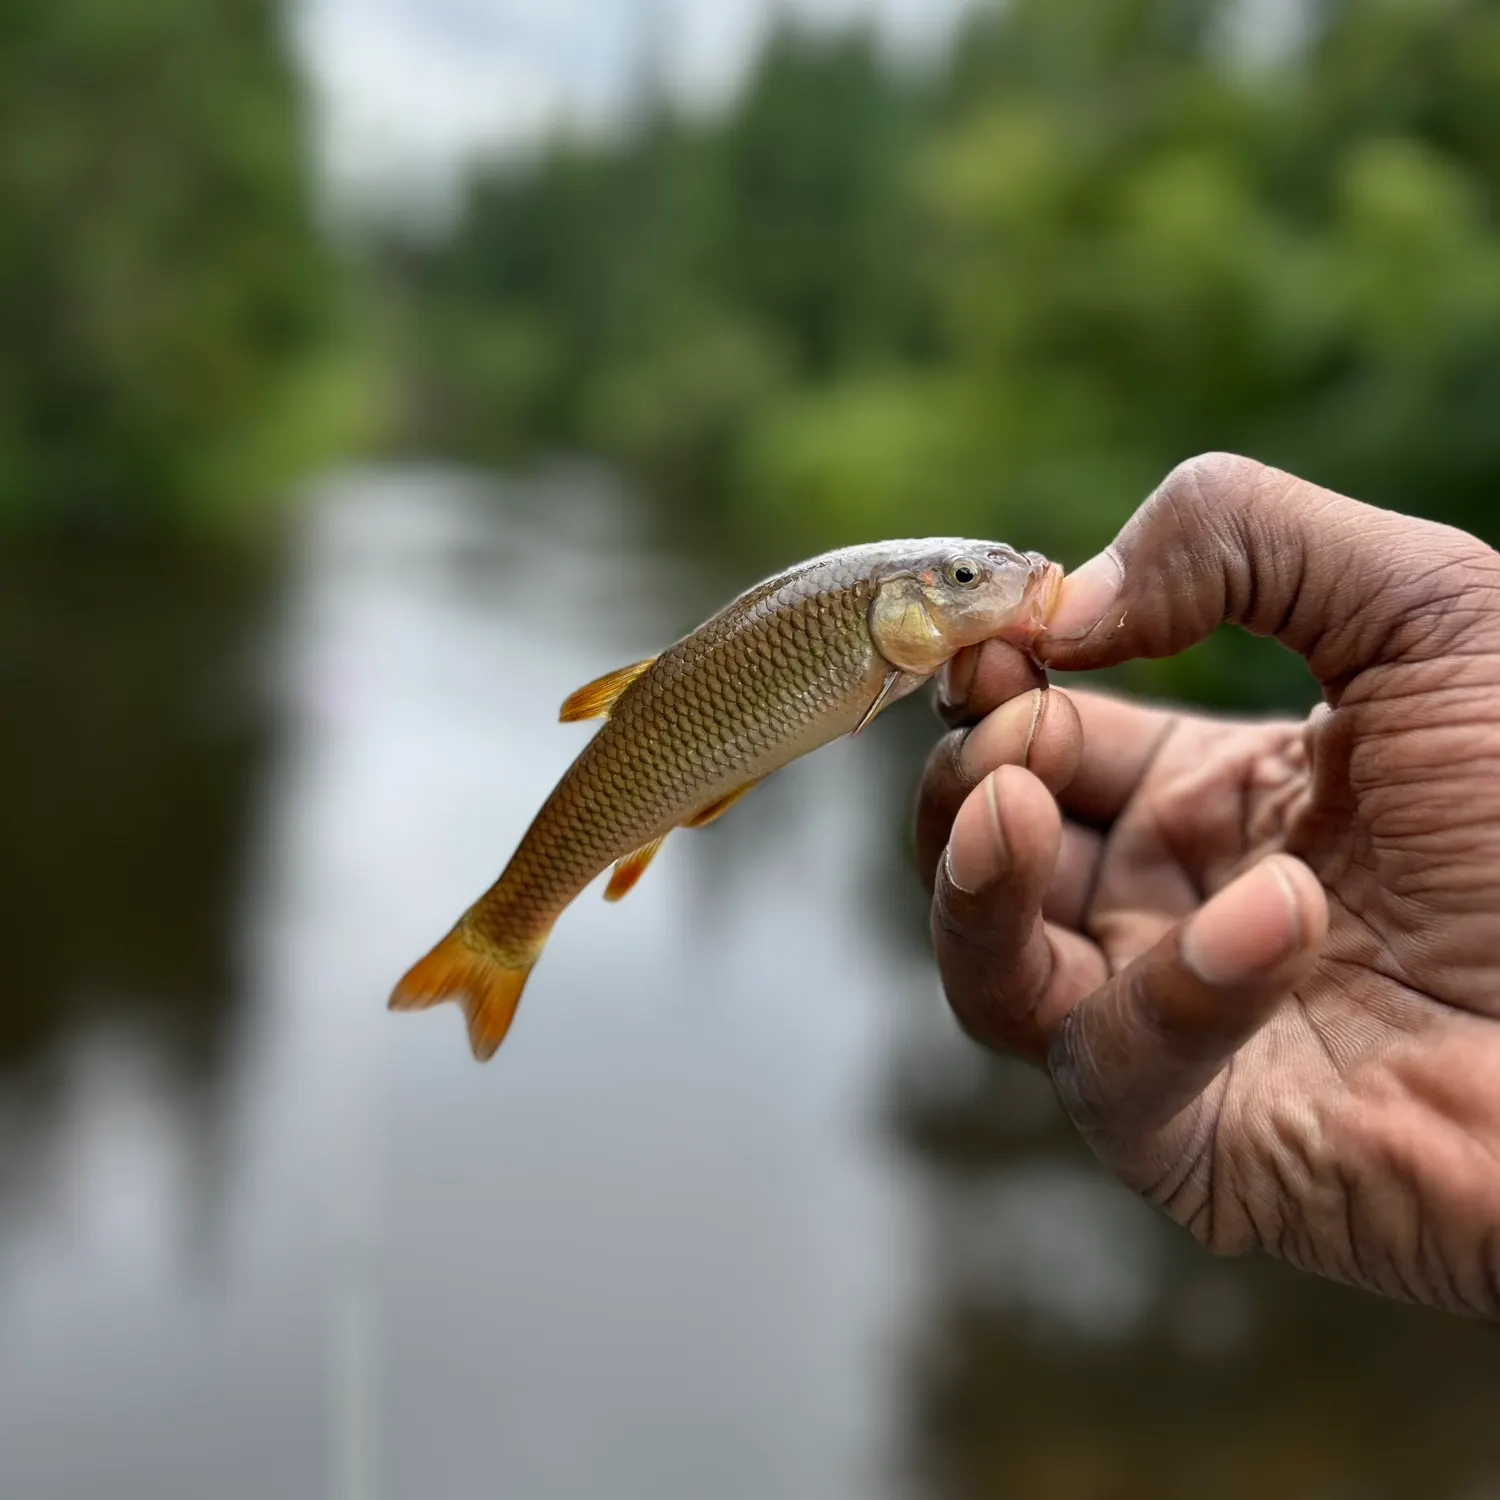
(373, 373)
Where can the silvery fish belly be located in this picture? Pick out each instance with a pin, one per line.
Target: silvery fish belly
(801, 659)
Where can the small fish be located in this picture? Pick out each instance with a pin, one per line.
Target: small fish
(795, 662)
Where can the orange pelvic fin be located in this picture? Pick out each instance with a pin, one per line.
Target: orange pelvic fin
(630, 869)
(717, 809)
(488, 989)
(596, 700)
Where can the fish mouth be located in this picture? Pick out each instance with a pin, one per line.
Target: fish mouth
(1043, 590)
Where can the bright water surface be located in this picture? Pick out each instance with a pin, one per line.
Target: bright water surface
(735, 1214)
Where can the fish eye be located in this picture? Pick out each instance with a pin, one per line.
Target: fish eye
(962, 572)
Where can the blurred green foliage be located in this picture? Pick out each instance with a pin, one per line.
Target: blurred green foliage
(167, 308)
(1008, 296)
(1002, 294)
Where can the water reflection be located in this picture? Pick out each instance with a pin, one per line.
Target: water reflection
(734, 1213)
(1077, 1345)
(128, 758)
(655, 1247)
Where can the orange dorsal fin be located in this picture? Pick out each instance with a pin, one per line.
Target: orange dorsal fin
(596, 699)
(717, 809)
(630, 869)
(488, 988)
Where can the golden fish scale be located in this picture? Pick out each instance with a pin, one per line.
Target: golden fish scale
(788, 666)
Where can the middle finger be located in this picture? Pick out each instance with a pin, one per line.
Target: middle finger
(1038, 730)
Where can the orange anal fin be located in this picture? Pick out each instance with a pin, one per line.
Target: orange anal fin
(630, 869)
(488, 989)
(718, 809)
(596, 700)
(881, 699)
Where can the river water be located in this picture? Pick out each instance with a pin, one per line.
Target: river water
(735, 1213)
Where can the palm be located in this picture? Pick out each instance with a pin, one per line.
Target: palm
(1372, 1033)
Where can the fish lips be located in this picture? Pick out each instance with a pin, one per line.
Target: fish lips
(1043, 590)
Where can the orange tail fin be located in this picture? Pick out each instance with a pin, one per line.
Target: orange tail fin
(488, 989)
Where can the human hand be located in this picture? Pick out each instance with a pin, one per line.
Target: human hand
(1260, 960)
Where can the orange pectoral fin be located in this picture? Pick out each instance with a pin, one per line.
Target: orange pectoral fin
(717, 809)
(881, 699)
(630, 869)
(596, 700)
(488, 989)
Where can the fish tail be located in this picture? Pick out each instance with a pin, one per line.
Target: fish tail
(485, 981)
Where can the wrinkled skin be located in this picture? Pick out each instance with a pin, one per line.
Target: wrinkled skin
(1260, 960)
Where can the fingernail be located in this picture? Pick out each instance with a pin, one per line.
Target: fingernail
(1003, 737)
(1038, 708)
(1087, 596)
(1247, 930)
(976, 852)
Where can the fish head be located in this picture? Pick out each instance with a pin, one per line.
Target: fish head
(954, 594)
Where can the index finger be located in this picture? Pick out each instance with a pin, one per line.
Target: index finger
(1345, 585)
(980, 678)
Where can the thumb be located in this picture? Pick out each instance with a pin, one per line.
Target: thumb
(1344, 584)
(1139, 1051)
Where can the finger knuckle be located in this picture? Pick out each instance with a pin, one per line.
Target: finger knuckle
(987, 1014)
(1441, 594)
(976, 1020)
(1213, 482)
(1450, 569)
(1212, 507)
(978, 970)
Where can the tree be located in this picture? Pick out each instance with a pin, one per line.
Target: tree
(161, 280)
